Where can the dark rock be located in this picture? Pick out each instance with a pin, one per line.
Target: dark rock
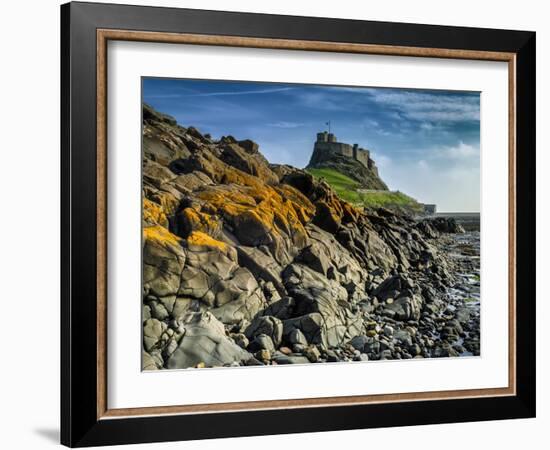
(297, 337)
(326, 218)
(261, 342)
(291, 359)
(267, 325)
(282, 309)
(444, 225)
(249, 146)
(359, 342)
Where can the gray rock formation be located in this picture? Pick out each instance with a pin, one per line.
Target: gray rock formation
(246, 263)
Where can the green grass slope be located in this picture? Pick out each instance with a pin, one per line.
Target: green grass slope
(348, 190)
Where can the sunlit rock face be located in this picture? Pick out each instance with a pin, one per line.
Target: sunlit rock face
(247, 263)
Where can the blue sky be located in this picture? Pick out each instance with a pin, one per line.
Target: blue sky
(426, 143)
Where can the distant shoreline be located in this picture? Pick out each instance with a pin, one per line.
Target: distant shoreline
(469, 220)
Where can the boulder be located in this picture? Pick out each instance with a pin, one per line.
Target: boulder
(295, 336)
(262, 342)
(445, 225)
(266, 325)
(281, 358)
(163, 261)
(406, 307)
(392, 286)
(315, 294)
(153, 333)
(204, 341)
(360, 342)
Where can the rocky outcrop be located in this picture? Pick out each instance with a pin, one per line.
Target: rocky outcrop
(356, 170)
(247, 263)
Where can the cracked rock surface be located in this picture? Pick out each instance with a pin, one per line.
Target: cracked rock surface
(247, 263)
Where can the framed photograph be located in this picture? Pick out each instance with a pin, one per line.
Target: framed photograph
(276, 224)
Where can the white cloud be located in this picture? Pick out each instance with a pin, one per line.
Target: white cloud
(427, 126)
(461, 151)
(374, 125)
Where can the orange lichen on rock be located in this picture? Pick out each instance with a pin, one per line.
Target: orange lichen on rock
(231, 175)
(221, 172)
(350, 212)
(192, 220)
(153, 213)
(160, 235)
(201, 239)
(260, 213)
(304, 209)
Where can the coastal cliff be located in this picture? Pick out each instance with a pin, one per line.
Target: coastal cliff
(247, 263)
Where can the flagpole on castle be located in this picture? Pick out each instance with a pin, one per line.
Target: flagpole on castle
(328, 123)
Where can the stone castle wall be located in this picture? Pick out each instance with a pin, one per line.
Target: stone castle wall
(328, 143)
(364, 157)
(335, 147)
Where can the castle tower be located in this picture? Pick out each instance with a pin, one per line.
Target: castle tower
(322, 137)
(355, 148)
(332, 138)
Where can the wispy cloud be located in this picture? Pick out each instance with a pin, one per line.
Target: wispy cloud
(218, 94)
(371, 125)
(284, 124)
(429, 106)
(253, 92)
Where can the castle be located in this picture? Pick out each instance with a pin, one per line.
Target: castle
(355, 162)
(327, 144)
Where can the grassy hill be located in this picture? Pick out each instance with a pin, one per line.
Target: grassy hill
(348, 189)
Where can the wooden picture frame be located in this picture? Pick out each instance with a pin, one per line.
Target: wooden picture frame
(85, 417)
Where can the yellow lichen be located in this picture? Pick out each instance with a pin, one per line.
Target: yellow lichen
(198, 221)
(281, 210)
(153, 213)
(202, 239)
(160, 235)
